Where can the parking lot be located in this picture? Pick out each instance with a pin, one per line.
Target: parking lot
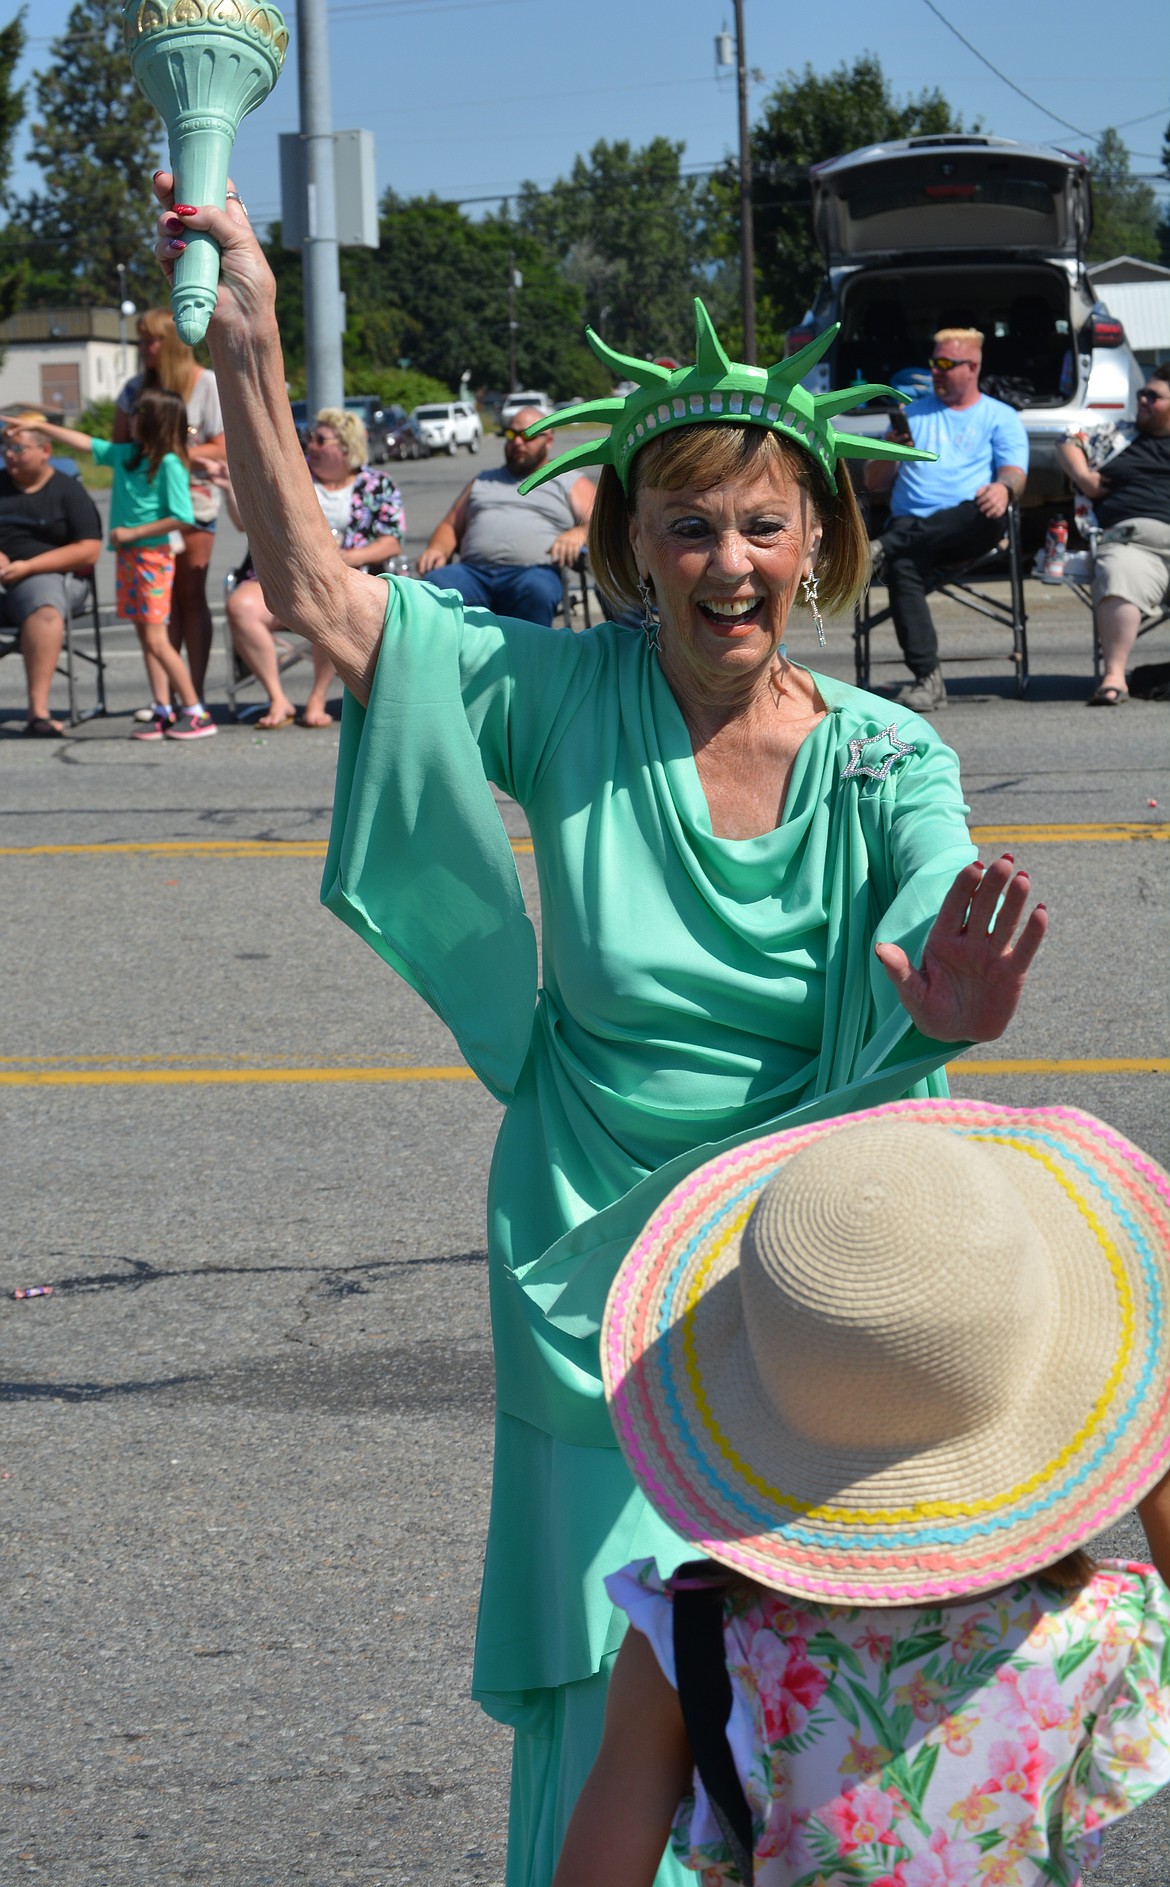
(246, 1441)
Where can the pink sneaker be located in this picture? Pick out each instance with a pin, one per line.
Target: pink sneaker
(160, 723)
(192, 724)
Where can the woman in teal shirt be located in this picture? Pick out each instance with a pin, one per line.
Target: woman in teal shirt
(740, 861)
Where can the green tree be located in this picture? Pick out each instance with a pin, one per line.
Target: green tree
(12, 270)
(435, 293)
(97, 141)
(805, 120)
(1125, 210)
(626, 229)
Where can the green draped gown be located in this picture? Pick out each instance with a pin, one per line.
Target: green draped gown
(695, 991)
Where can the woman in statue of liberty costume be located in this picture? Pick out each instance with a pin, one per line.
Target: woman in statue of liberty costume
(760, 904)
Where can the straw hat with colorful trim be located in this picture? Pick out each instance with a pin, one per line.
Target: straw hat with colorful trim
(903, 1355)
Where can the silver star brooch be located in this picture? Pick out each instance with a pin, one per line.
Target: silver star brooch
(860, 742)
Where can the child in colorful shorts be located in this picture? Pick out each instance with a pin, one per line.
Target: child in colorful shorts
(891, 1373)
(151, 498)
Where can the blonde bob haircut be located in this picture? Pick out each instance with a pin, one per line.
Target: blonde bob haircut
(351, 434)
(715, 454)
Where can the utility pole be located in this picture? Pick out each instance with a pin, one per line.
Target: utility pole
(747, 249)
(515, 281)
(325, 379)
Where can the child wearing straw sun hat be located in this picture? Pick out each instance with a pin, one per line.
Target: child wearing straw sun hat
(891, 1373)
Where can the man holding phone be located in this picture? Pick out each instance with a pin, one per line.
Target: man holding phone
(949, 511)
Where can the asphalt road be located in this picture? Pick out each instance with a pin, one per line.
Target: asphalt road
(244, 1447)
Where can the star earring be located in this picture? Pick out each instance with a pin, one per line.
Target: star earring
(811, 585)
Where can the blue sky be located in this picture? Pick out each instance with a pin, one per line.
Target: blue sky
(467, 98)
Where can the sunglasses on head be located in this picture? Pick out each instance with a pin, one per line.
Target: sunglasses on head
(942, 363)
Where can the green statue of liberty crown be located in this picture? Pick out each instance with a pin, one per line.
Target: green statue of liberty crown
(717, 388)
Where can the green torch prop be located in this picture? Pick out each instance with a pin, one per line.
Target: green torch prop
(204, 65)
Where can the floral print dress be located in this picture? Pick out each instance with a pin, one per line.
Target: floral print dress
(983, 1743)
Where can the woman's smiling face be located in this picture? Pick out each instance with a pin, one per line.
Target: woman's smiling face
(725, 564)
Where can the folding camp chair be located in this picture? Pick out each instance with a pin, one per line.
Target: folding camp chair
(239, 675)
(1080, 582)
(962, 584)
(82, 625)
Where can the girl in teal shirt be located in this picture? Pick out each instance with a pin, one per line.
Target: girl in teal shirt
(151, 498)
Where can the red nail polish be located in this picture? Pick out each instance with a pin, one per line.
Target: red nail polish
(174, 227)
(177, 244)
(185, 209)
(1008, 856)
(1023, 877)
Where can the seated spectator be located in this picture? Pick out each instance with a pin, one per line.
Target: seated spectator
(1130, 493)
(947, 512)
(49, 532)
(363, 508)
(510, 549)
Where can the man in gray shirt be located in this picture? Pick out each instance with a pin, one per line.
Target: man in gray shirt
(504, 552)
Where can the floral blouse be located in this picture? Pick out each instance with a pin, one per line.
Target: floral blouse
(375, 510)
(983, 1743)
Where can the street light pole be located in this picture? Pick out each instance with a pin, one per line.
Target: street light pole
(747, 255)
(323, 369)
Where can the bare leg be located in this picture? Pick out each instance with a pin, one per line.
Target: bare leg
(156, 643)
(316, 714)
(190, 614)
(252, 624)
(42, 637)
(1118, 623)
(156, 675)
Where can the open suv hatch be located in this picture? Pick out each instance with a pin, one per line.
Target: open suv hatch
(965, 231)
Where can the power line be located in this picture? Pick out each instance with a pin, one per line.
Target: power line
(1003, 75)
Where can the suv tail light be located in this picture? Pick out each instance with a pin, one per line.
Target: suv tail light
(1102, 333)
(796, 338)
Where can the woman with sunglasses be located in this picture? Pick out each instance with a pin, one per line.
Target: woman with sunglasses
(363, 508)
(504, 549)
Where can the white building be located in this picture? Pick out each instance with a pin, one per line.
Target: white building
(64, 358)
(1137, 293)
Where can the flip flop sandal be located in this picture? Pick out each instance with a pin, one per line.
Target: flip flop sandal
(41, 728)
(1107, 698)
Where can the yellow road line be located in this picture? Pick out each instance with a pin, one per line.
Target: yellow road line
(220, 1077)
(1135, 1065)
(315, 848)
(33, 1076)
(1067, 835)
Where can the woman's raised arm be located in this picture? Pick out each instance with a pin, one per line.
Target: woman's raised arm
(305, 582)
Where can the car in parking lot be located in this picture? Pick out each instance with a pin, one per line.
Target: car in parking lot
(968, 231)
(406, 442)
(444, 426)
(518, 402)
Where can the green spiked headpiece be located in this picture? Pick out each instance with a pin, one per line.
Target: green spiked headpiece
(717, 388)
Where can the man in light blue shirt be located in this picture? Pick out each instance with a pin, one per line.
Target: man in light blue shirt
(948, 512)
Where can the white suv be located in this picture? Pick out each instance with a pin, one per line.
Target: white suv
(968, 231)
(446, 427)
(520, 402)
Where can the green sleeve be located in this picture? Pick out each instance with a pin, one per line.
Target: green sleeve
(419, 863)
